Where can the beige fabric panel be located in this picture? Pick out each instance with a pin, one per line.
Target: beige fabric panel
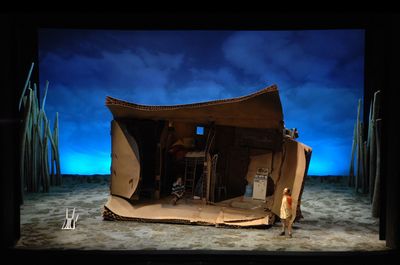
(293, 171)
(125, 165)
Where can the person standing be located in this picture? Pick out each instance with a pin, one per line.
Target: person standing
(286, 212)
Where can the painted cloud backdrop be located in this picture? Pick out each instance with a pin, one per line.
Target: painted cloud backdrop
(319, 74)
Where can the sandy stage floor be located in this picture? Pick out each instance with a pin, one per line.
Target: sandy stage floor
(334, 220)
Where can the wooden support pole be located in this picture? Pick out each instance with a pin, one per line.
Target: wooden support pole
(376, 197)
(367, 151)
(372, 149)
(360, 166)
(373, 155)
(353, 149)
(24, 140)
(57, 154)
(365, 169)
(52, 160)
(372, 161)
(359, 143)
(46, 154)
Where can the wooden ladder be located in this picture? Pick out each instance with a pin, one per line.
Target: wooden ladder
(209, 142)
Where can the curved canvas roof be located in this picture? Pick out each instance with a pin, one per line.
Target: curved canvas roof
(261, 109)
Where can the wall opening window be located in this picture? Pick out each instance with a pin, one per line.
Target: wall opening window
(199, 130)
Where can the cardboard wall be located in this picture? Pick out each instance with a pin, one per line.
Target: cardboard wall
(293, 170)
(125, 166)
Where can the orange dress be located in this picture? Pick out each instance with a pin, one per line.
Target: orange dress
(286, 207)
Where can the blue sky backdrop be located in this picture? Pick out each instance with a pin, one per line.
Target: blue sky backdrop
(320, 75)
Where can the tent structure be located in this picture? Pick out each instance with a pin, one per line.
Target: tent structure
(234, 157)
